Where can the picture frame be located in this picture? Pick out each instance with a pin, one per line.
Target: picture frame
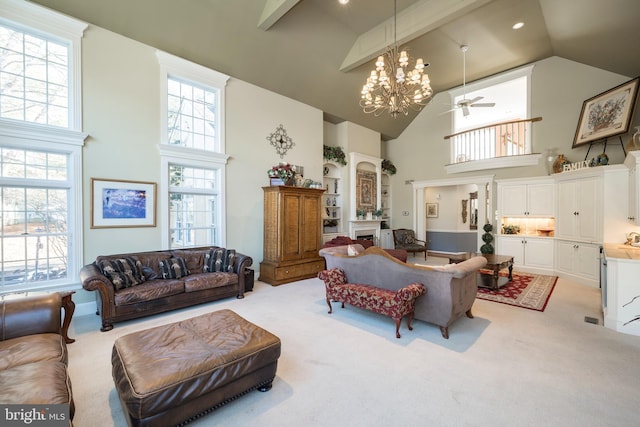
(432, 210)
(606, 114)
(366, 190)
(121, 204)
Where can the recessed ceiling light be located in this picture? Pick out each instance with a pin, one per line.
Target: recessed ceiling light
(518, 25)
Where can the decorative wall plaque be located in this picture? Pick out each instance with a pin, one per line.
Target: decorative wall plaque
(281, 141)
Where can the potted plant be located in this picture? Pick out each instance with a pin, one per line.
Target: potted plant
(378, 213)
(360, 213)
(334, 153)
(510, 229)
(388, 167)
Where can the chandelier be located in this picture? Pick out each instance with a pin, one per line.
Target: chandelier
(391, 87)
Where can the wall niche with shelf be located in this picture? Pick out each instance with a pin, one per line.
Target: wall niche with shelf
(332, 223)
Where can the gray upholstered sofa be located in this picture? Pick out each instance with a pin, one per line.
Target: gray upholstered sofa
(134, 285)
(451, 289)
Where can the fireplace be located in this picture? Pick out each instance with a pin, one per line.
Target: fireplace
(365, 229)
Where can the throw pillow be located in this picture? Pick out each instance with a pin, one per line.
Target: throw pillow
(409, 239)
(173, 268)
(352, 251)
(220, 260)
(149, 273)
(123, 272)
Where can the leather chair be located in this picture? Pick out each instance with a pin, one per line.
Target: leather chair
(404, 238)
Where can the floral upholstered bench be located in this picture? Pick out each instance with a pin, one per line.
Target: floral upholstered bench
(394, 304)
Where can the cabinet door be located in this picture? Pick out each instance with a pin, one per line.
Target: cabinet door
(540, 199)
(511, 246)
(633, 197)
(565, 254)
(513, 200)
(587, 261)
(587, 200)
(310, 232)
(538, 252)
(291, 219)
(565, 222)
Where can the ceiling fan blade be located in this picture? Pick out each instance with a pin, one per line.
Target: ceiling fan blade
(448, 111)
(476, 99)
(484, 104)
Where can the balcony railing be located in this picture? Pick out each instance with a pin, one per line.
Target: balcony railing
(504, 139)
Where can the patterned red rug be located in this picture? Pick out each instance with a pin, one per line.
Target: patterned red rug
(526, 290)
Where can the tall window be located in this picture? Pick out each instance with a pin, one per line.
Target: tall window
(193, 195)
(40, 148)
(510, 93)
(34, 77)
(192, 154)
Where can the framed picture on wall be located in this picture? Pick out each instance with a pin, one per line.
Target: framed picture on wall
(607, 114)
(117, 203)
(432, 210)
(366, 190)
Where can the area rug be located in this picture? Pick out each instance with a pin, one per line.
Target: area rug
(526, 290)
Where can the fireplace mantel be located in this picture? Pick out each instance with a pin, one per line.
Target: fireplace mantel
(371, 226)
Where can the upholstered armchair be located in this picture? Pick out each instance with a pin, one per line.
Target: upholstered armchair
(404, 238)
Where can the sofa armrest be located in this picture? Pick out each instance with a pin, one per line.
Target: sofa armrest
(93, 280)
(39, 314)
(410, 292)
(333, 277)
(464, 268)
(243, 262)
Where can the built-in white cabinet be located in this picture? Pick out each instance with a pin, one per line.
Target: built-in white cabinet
(534, 198)
(579, 202)
(332, 223)
(532, 253)
(632, 162)
(579, 260)
(385, 197)
(621, 290)
(386, 239)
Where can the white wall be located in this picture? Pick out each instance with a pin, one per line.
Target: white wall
(121, 94)
(559, 88)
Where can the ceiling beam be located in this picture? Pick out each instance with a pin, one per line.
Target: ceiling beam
(412, 22)
(273, 11)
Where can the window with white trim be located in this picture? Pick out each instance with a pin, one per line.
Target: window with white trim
(40, 148)
(510, 92)
(192, 154)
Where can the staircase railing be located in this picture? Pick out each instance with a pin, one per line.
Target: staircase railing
(512, 138)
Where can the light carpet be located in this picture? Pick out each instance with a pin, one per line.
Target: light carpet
(526, 290)
(504, 367)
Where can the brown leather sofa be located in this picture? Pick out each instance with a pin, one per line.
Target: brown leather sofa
(33, 352)
(146, 288)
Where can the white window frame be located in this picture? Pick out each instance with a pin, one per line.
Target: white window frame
(173, 66)
(501, 162)
(35, 136)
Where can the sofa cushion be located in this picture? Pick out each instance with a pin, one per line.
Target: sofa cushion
(149, 291)
(198, 282)
(173, 268)
(123, 272)
(32, 348)
(220, 260)
(39, 383)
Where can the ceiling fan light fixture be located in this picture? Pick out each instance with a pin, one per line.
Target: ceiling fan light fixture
(518, 25)
(393, 86)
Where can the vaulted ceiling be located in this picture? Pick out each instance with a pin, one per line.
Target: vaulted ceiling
(320, 52)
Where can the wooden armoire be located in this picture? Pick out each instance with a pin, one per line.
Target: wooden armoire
(292, 234)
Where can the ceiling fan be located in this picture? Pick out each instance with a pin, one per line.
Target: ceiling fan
(465, 103)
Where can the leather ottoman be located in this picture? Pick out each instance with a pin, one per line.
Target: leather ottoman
(172, 374)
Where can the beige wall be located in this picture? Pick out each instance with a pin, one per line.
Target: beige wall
(558, 89)
(121, 110)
